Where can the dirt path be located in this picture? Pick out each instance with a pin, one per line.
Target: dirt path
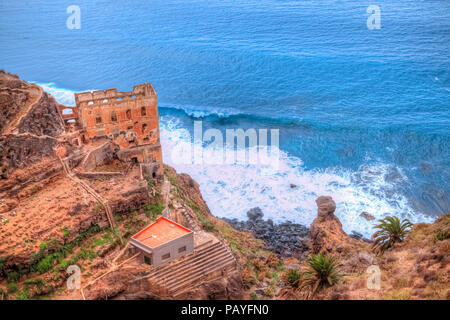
(12, 128)
(92, 192)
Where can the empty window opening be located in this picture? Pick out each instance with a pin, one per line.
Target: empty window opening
(144, 127)
(133, 96)
(147, 260)
(182, 249)
(128, 114)
(105, 101)
(90, 102)
(98, 118)
(113, 116)
(154, 175)
(134, 160)
(165, 256)
(143, 111)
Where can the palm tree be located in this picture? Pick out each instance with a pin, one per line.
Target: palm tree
(321, 271)
(391, 230)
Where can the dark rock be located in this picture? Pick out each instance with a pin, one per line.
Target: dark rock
(282, 239)
(367, 216)
(356, 235)
(255, 214)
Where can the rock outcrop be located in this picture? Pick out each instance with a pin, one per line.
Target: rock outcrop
(326, 230)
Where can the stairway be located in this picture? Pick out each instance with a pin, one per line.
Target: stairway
(92, 192)
(191, 270)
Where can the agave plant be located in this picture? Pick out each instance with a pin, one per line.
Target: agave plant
(390, 231)
(321, 271)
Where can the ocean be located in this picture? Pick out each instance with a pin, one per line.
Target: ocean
(363, 115)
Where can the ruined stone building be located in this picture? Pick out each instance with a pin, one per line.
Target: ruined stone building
(129, 119)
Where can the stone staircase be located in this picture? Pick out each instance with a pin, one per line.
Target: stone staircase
(206, 262)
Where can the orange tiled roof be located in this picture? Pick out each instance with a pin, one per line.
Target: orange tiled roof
(159, 232)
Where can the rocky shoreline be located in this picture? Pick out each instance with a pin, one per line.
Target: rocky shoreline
(286, 239)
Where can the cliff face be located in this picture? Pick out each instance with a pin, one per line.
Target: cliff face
(49, 221)
(29, 128)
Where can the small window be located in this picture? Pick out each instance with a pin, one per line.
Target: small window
(144, 127)
(147, 260)
(98, 118)
(128, 113)
(165, 256)
(113, 116)
(143, 112)
(182, 249)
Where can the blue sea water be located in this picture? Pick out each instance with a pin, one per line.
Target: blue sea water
(364, 115)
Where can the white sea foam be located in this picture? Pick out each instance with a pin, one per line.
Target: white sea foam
(230, 190)
(63, 96)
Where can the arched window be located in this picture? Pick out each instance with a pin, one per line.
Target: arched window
(128, 113)
(98, 118)
(143, 112)
(113, 116)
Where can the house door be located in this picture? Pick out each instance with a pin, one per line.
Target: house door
(148, 260)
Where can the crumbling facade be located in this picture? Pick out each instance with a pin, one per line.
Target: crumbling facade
(129, 119)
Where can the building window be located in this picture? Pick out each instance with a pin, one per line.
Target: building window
(165, 256)
(182, 249)
(144, 127)
(128, 113)
(147, 260)
(143, 112)
(113, 116)
(98, 118)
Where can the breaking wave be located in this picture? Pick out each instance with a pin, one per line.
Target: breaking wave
(230, 190)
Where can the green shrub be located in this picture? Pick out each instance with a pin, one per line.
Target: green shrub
(23, 295)
(321, 271)
(12, 276)
(390, 231)
(45, 264)
(207, 224)
(292, 278)
(12, 288)
(39, 283)
(153, 210)
(442, 235)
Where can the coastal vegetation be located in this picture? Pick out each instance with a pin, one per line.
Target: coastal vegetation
(320, 271)
(390, 231)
